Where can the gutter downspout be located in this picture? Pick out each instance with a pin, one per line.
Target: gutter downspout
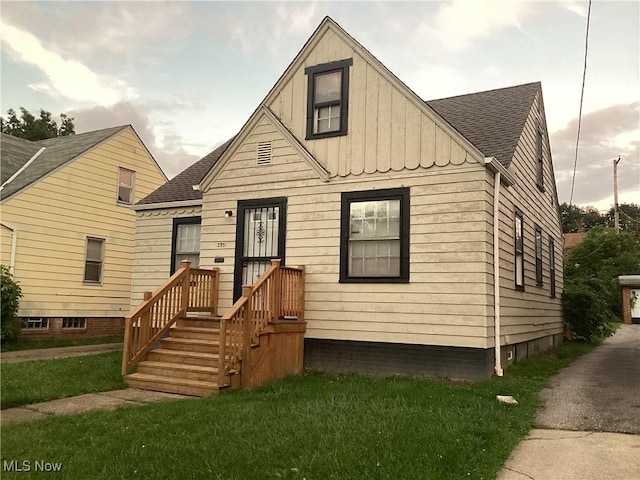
(14, 242)
(22, 169)
(496, 272)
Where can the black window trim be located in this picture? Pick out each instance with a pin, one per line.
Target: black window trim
(403, 194)
(323, 68)
(518, 213)
(174, 236)
(540, 158)
(552, 266)
(538, 259)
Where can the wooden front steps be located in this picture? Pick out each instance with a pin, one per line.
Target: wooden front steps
(186, 361)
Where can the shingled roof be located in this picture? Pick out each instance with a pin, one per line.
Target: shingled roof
(180, 187)
(16, 152)
(491, 120)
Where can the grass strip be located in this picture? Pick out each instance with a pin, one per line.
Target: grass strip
(41, 380)
(312, 426)
(35, 343)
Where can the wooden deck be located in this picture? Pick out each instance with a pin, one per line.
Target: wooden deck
(178, 350)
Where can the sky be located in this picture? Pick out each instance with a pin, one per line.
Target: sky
(187, 75)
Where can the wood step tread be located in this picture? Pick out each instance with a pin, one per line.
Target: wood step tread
(190, 341)
(203, 317)
(170, 380)
(183, 353)
(179, 366)
(195, 329)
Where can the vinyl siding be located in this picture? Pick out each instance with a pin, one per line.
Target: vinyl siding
(445, 302)
(152, 253)
(387, 129)
(532, 313)
(6, 241)
(54, 217)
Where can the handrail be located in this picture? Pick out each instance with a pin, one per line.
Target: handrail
(278, 293)
(188, 289)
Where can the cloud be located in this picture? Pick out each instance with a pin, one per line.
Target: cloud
(605, 134)
(67, 78)
(167, 148)
(457, 24)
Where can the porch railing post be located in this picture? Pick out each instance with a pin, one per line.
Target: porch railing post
(300, 293)
(186, 285)
(222, 352)
(247, 335)
(126, 348)
(145, 322)
(215, 284)
(275, 294)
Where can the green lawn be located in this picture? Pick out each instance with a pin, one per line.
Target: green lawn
(41, 380)
(314, 426)
(33, 343)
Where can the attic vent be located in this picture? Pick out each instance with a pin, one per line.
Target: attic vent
(264, 153)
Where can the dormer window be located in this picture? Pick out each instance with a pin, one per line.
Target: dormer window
(327, 99)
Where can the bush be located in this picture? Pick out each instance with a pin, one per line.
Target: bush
(586, 309)
(605, 255)
(11, 294)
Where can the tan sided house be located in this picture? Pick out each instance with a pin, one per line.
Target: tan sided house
(429, 231)
(68, 228)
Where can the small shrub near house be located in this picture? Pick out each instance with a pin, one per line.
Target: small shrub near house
(11, 294)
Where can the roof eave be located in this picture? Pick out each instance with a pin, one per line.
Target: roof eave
(165, 205)
(495, 166)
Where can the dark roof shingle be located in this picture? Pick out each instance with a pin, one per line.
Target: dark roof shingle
(58, 151)
(491, 120)
(180, 187)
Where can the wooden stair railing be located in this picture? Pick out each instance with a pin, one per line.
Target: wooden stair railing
(278, 294)
(187, 290)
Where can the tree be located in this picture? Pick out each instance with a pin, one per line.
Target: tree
(32, 128)
(11, 294)
(601, 258)
(577, 219)
(629, 218)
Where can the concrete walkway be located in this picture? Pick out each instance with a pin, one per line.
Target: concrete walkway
(590, 424)
(59, 352)
(85, 403)
(81, 403)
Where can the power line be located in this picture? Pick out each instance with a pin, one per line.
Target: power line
(584, 75)
(623, 213)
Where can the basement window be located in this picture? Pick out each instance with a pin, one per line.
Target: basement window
(328, 99)
(74, 323)
(35, 323)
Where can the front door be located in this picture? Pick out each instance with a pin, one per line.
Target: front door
(260, 238)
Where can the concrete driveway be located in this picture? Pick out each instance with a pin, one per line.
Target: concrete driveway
(589, 427)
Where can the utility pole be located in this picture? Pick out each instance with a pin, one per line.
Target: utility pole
(615, 194)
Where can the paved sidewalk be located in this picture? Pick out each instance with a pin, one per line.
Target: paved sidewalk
(85, 403)
(567, 455)
(59, 352)
(591, 419)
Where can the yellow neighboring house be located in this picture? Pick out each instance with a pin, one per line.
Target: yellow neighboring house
(68, 230)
